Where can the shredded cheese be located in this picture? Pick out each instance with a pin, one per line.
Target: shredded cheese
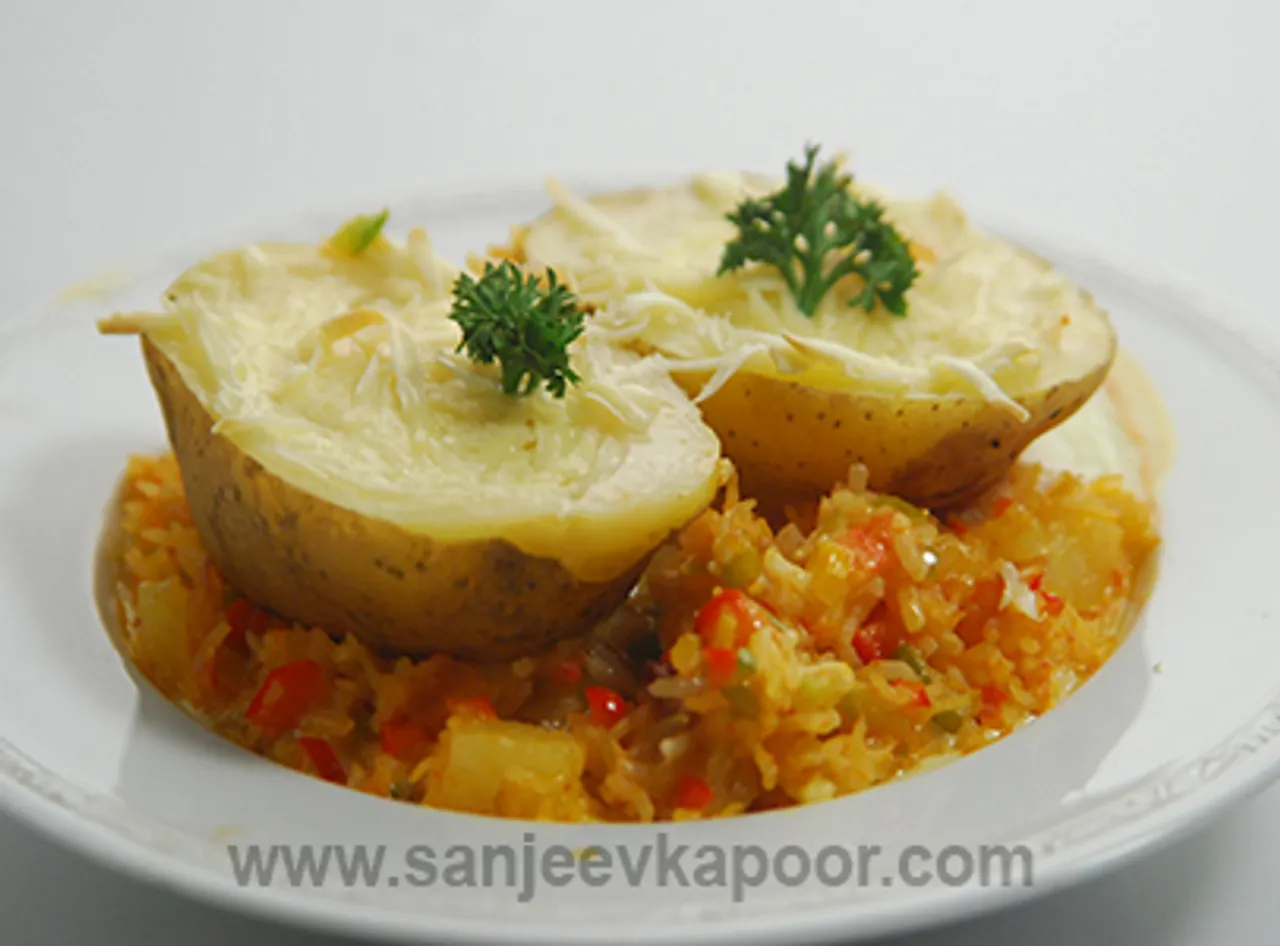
(986, 319)
(592, 218)
(340, 375)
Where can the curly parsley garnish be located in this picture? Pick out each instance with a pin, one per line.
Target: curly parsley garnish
(527, 328)
(815, 232)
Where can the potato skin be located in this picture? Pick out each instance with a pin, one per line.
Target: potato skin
(318, 563)
(787, 439)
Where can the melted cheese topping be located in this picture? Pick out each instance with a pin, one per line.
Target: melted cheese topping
(984, 317)
(339, 375)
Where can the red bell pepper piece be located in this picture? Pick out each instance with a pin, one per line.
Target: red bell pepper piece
(286, 695)
(325, 760)
(722, 665)
(992, 696)
(920, 696)
(1052, 603)
(471, 707)
(605, 706)
(877, 639)
(869, 550)
(692, 794)
(402, 738)
(243, 617)
(724, 620)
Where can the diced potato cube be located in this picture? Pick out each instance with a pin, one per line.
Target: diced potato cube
(477, 758)
(1079, 567)
(160, 637)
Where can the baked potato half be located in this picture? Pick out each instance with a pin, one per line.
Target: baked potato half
(995, 348)
(347, 469)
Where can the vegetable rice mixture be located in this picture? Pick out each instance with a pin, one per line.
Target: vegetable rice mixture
(752, 669)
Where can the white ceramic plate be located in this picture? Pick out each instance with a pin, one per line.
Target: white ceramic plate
(1183, 721)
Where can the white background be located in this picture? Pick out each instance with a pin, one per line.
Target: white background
(1148, 130)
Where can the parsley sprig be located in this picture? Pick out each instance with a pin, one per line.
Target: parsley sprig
(525, 327)
(815, 232)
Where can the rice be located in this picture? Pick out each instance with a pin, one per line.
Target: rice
(864, 641)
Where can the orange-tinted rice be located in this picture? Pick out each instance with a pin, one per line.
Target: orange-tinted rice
(870, 641)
